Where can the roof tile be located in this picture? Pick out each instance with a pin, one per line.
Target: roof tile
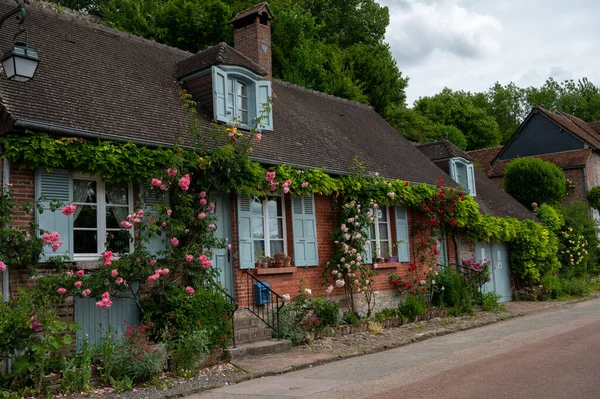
(564, 160)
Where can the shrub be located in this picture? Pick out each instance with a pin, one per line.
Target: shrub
(190, 348)
(531, 180)
(552, 285)
(386, 313)
(578, 222)
(411, 307)
(451, 291)
(593, 197)
(551, 218)
(327, 312)
(576, 287)
(350, 317)
(489, 302)
(305, 315)
(533, 252)
(205, 309)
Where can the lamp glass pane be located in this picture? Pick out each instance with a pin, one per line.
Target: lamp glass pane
(25, 67)
(9, 66)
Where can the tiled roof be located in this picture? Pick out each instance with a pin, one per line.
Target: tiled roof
(492, 200)
(574, 125)
(595, 126)
(442, 149)
(564, 160)
(484, 157)
(105, 83)
(220, 54)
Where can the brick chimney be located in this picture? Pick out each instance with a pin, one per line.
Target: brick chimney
(252, 35)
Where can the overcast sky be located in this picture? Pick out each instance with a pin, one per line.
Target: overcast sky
(470, 44)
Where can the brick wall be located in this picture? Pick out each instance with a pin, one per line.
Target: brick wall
(578, 192)
(250, 39)
(23, 190)
(201, 89)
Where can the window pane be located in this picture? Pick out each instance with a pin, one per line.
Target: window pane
(115, 215)
(85, 216)
(274, 207)
(84, 191)
(258, 229)
(257, 208)
(382, 215)
(118, 241)
(117, 194)
(259, 249)
(383, 231)
(243, 117)
(276, 246)
(85, 242)
(275, 228)
(385, 249)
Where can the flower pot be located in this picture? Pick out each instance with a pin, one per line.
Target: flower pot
(287, 263)
(264, 265)
(393, 259)
(278, 264)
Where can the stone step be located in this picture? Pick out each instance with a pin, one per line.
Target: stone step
(261, 348)
(252, 335)
(247, 322)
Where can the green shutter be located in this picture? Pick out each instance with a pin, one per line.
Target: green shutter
(304, 225)
(219, 81)
(402, 234)
(156, 243)
(471, 179)
(264, 108)
(246, 244)
(54, 185)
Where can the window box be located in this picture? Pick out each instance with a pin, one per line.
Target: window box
(389, 265)
(277, 270)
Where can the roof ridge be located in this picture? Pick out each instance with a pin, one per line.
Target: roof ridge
(91, 21)
(331, 96)
(485, 149)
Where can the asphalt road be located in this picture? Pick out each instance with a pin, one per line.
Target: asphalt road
(551, 355)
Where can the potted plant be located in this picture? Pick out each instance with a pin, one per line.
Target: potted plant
(265, 262)
(279, 259)
(287, 261)
(395, 246)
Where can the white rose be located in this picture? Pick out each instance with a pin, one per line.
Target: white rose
(286, 297)
(308, 291)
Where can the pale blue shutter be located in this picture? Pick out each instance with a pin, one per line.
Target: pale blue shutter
(304, 225)
(442, 247)
(368, 254)
(402, 234)
(54, 185)
(264, 108)
(471, 179)
(453, 171)
(246, 245)
(156, 243)
(219, 81)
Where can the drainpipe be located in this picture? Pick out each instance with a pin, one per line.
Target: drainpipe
(5, 276)
(456, 248)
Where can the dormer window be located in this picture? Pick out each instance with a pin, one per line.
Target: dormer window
(241, 97)
(463, 173)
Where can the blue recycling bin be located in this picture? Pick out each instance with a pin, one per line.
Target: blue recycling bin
(261, 293)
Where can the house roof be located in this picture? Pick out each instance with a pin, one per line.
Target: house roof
(442, 149)
(595, 126)
(103, 83)
(220, 54)
(574, 125)
(492, 199)
(262, 8)
(484, 156)
(564, 160)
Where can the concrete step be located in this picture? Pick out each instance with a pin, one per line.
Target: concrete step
(247, 322)
(261, 348)
(252, 335)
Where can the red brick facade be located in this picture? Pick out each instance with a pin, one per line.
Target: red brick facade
(252, 40)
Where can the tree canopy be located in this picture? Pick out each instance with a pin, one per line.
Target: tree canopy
(531, 180)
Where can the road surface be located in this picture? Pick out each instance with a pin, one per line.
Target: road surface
(554, 354)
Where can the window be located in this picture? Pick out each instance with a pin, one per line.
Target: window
(463, 173)
(241, 97)
(379, 233)
(100, 209)
(442, 247)
(261, 228)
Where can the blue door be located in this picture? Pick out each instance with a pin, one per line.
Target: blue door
(222, 257)
(497, 254)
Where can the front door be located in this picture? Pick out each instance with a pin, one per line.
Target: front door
(222, 257)
(499, 270)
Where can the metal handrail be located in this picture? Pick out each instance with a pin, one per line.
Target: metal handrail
(268, 313)
(232, 300)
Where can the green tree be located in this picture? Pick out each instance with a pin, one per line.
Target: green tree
(531, 180)
(457, 108)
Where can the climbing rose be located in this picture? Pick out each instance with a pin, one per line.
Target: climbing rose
(77, 284)
(86, 292)
(184, 182)
(153, 262)
(114, 273)
(308, 291)
(119, 281)
(174, 241)
(258, 137)
(188, 258)
(210, 208)
(212, 226)
(202, 194)
(391, 194)
(201, 215)
(126, 225)
(329, 289)
(153, 278)
(169, 212)
(61, 291)
(80, 273)
(286, 297)
(305, 184)
(105, 302)
(189, 290)
(68, 210)
(108, 257)
(340, 283)
(203, 201)
(156, 182)
(207, 263)
(2, 266)
(172, 172)
(270, 176)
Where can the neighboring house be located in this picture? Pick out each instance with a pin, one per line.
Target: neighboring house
(492, 201)
(568, 142)
(98, 83)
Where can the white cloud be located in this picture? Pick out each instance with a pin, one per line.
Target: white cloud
(419, 28)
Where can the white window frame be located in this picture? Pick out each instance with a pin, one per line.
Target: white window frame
(376, 241)
(266, 227)
(235, 117)
(100, 217)
(468, 166)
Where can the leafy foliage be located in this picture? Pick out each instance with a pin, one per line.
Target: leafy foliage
(531, 180)
(533, 252)
(593, 197)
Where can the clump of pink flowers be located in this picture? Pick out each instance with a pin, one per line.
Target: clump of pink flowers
(184, 182)
(189, 290)
(105, 302)
(107, 257)
(52, 239)
(2, 266)
(68, 210)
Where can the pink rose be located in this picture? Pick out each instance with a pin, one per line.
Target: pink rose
(273, 186)
(105, 302)
(163, 187)
(229, 247)
(184, 182)
(126, 225)
(203, 201)
(153, 262)
(156, 182)
(174, 241)
(77, 284)
(189, 258)
(164, 224)
(86, 292)
(212, 226)
(153, 278)
(172, 172)
(305, 184)
(169, 212)
(68, 210)
(258, 138)
(202, 194)
(69, 273)
(114, 273)
(61, 291)
(270, 176)
(189, 290)
(80, 273)
(165, 272)
(119, 281)
(2, 266)
(201, 215)
(207, 263)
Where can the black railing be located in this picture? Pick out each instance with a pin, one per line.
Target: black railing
(234, 305)
(264, 303)
(472, 279)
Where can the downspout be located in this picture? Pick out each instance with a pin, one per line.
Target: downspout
(5, 275)
(456, 247)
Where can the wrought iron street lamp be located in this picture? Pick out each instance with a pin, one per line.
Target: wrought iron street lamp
(20, 62)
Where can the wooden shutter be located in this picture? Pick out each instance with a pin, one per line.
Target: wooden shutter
(442, 247)
(402, 234)
(246, 243)
(156, 243)
(219, 81)
(471, 179)
(368, 254)
(304, 225)
(453, 171)
(264, 108)
(54, 185)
